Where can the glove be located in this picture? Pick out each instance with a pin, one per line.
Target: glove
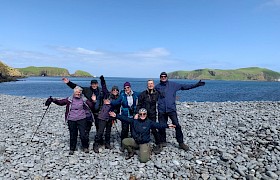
(102, 79)
(49, 101)
(200, 83)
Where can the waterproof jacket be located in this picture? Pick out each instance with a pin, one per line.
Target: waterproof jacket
(126, 110)
(106, 108)
(88, 92)
(88, 105)
(141, 129)
(167, 94)
(148, 100)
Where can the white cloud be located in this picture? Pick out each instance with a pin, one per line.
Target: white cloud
(78, 50)
(153, 53)
(126, 64)
(270, 4)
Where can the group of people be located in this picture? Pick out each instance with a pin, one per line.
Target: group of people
(138, 113)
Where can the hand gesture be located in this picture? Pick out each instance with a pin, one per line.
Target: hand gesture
(106, 101)
(171, 126)
(112, 114)
(200, 83)
(65, 80)
(101, 78)
(93, 98)
(136, 116)
(49, 101)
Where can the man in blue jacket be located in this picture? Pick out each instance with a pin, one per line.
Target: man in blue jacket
(167, 106)
(140, 131)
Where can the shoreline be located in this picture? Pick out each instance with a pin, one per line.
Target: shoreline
(228, 140)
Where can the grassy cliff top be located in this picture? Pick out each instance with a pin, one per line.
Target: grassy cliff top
(51, 71)
(251, 73)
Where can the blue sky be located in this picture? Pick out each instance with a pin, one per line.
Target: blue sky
(140, 38)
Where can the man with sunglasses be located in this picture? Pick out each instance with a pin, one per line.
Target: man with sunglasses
(167, 106)
(140, 132)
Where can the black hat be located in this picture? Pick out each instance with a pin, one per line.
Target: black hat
(94, 81)
(163, 74)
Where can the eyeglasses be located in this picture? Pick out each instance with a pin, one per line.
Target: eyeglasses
(142, 114)
(127, 87)
(163, 76)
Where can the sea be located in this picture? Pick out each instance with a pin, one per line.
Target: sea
(213, 91)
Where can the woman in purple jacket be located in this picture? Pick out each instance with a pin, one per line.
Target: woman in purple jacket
(77, 110)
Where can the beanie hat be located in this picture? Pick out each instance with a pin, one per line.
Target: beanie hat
(163, 74)
(94, 81)
(126, 84)
(142, 110)
(115, 88)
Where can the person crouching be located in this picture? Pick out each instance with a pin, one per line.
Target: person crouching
(140, 131)
(77, 108)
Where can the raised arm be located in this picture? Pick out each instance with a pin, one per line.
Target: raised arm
(191, 86)
(121, 117)
(104, 86)
(69, 83)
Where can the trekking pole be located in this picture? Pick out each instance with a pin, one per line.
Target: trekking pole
(39, 123)
(117, 129)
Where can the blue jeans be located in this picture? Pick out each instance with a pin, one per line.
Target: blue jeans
(163, 118)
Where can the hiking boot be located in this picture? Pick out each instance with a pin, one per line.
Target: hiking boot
(108, 146)
(158, 149)
(71, 152)
(86, 150)
(129, 155)
(184, 146)
(96, 148)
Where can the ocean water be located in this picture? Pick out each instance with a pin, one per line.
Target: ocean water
(213, 91)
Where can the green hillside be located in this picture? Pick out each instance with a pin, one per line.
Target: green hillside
(245, 74)
(44, 71)
(51, 71)
(7, 73)
(80, 73)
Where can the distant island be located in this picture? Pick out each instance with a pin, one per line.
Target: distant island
(51, 71)
(12, 74)
(242, 74)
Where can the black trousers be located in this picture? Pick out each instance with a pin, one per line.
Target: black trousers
(125, 130)
(155, 131)
(74, 127)
(103, 125)
(163, 118)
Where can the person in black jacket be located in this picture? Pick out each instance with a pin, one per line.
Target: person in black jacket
(148, 100)
(93, 89)
(140, 131)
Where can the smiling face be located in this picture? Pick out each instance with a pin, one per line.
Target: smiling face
(150, 84)
(142, 116)
(77, 93)
(127, 89)
(115, 92)
(94, 85)
(163, 78)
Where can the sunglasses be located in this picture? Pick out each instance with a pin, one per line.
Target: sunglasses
(163, 76)
(142, 114)
(127, 87)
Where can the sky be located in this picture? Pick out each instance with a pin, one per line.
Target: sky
(140, 38)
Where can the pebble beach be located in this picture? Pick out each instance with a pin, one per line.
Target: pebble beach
(227, 140)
